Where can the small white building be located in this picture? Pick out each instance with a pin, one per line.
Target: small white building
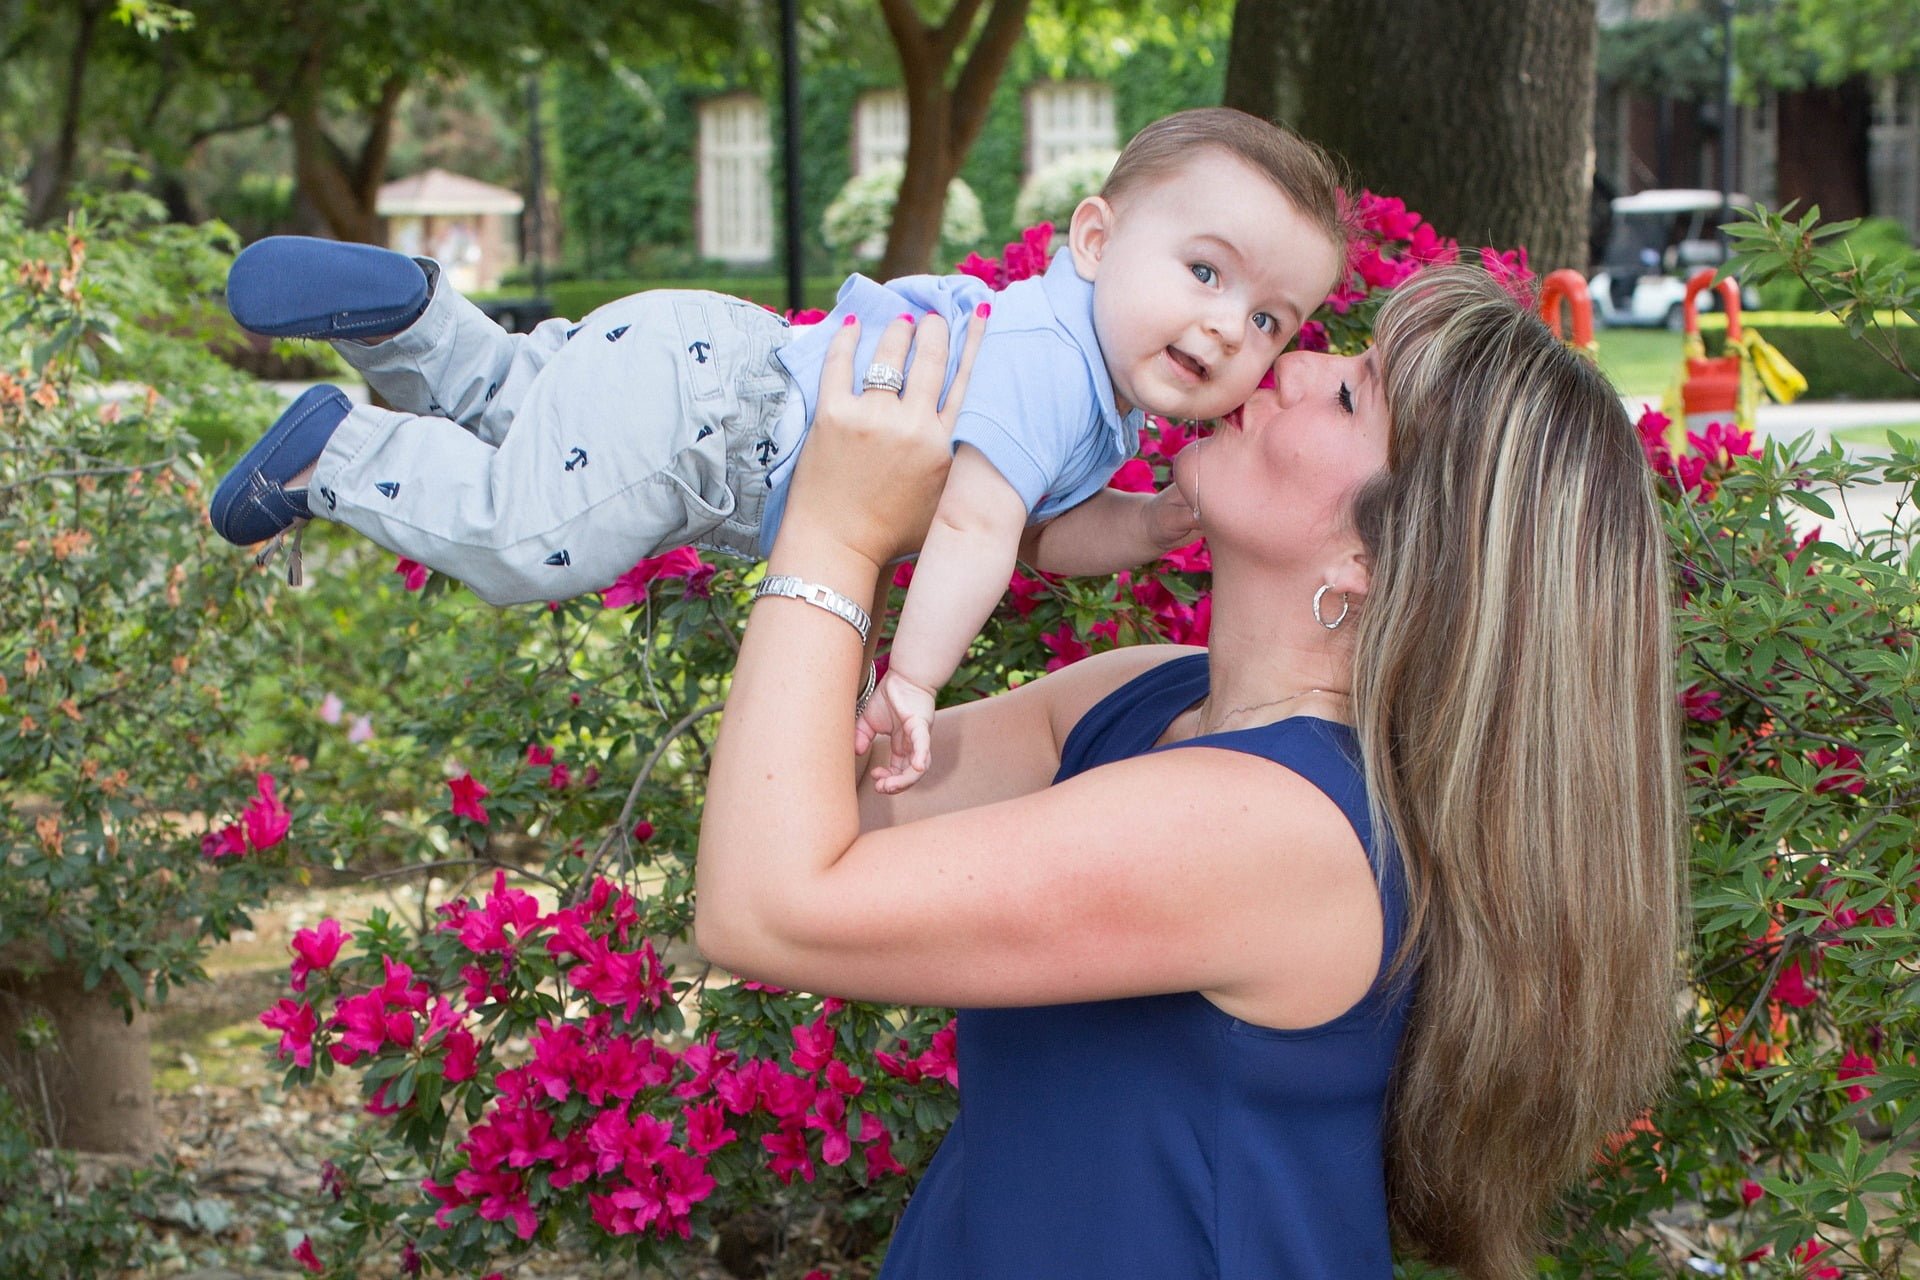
(466, 225)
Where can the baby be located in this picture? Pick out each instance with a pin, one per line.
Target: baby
(542, 466)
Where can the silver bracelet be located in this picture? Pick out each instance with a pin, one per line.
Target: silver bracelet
(866, 690)
(785, 584)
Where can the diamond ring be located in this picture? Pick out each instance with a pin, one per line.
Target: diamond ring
(884, 375)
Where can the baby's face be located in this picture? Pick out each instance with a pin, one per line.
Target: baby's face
(1200, 280)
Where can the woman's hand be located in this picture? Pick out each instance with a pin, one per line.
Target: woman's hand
(874, 462)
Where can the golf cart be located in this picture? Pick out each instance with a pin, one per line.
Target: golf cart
(1657, 239)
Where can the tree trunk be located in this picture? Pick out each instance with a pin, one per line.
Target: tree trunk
(942, 120)
(1265, 56)
(52, 172)
(93, 1086)
(1478, 113)
(343, 188)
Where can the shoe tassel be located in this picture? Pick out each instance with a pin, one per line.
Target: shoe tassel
(296, 530)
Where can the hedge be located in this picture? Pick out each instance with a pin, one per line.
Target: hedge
(1836, 366)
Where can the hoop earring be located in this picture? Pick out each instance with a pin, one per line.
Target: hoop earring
(1345, 605)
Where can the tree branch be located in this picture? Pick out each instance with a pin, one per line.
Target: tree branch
(620, 827)
(986, 62)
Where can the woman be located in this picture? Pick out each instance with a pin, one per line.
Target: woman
(1218, 1022)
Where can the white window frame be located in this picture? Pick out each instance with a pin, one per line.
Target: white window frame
(879, 130)
(1893, 151)
(736, 187)
(1760, 150)
(1068, 117)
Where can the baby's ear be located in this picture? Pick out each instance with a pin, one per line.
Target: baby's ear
(1088, 233)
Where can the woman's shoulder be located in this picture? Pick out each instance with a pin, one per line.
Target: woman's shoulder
(1074, 690)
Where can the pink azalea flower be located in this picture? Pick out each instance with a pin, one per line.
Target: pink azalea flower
(538, 755)
(878, 1148)
(1700, 704)
(467, 795)
(1791, 988)
(707, 1129)
(1805, 1253)
(829, 1116)
(704, 1061)
(226, 842)
(1751, 1191)
(1509, 270)
(331, 709)
(413, 574)
(643, 831)
(1192, 558)
(501, 922)
(1854, 1065)
(812, 1045)
(841, 1077)
(903, 574)
(361, 730)
(296, 1023)
(631, 586)
(498, 1196)
(1134, 476)
(939, 1062)
(790, 1155)
(303, 1254)
(558, 777)
(1025, 592)
(315, 948)
(265, 819)
(1842, 764)
(684, 1179)
(1066, 647)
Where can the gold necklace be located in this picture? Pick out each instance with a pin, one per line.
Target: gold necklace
(1259, 706)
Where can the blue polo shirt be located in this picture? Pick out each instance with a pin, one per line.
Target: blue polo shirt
(1040, 405)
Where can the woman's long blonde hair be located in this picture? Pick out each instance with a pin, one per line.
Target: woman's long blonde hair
(1513, 694)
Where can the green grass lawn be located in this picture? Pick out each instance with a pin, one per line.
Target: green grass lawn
(1641, 362)
(1878, 437)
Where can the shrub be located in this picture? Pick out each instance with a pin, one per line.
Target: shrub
(856, 221)
(1880, 240)
(1052, 193)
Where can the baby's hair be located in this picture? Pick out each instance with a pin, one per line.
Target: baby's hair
(1304, 173)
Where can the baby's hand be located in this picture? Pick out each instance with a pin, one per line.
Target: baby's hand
(1171, 523)
(903, 711)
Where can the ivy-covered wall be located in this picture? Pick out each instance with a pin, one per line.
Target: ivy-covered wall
(627, 168)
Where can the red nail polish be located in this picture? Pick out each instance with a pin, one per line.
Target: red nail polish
(984, 310)
(849, 320)
(907, 316)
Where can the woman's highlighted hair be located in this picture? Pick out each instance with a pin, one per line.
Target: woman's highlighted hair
(1515, 700)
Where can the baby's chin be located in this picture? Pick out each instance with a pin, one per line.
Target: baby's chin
(1211, 410)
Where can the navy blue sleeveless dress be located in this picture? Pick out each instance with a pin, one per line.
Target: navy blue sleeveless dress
(1159, 1137)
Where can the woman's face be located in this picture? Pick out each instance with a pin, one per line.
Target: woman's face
(1283, 470)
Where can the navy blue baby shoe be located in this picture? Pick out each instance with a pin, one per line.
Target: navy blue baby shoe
(302, 287)
(252, 502)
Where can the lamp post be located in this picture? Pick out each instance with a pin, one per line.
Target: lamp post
(1727, 130)
(790, 145)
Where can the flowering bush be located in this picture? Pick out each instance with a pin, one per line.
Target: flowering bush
(1052, 192)
(856, 219)
(128, 842)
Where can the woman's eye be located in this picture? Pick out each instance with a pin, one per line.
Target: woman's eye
(1203, 273)
(1346, 398)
